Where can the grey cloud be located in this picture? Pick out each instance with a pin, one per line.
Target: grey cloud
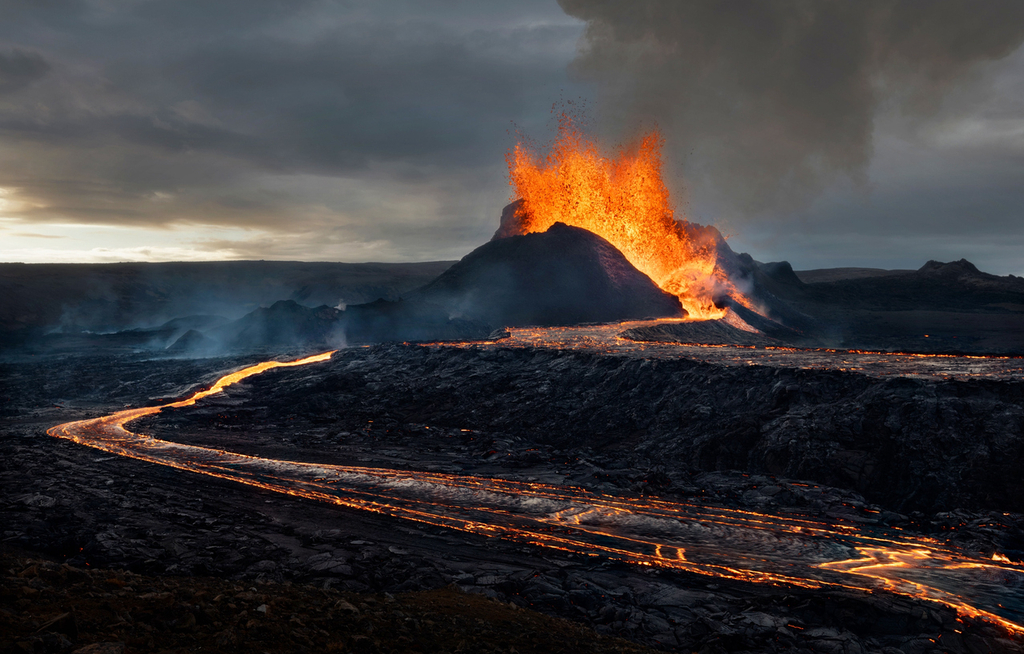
(18, 69)
(365, 93)
(777, 99)
(368, 88)
(926, 202)
(202, 103)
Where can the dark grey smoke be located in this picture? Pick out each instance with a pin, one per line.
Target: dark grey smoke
(18, 69)
(775, 99)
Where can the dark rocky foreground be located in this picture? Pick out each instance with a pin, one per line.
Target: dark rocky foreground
(560, 417)
(59, 607)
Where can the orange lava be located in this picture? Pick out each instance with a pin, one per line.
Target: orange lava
(576, 520)
(883, 564)
(624, 200)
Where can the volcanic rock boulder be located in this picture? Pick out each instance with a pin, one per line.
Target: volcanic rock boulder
(562, 276)
(511, 221)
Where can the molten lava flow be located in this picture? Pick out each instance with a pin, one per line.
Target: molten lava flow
(623, 200)
(730, 543)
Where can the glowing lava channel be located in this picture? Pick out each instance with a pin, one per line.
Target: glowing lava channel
(720, 542)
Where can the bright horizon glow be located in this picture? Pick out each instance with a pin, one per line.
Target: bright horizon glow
(78, 243)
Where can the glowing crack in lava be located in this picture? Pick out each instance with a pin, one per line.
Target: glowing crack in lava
(786, 549)
(624, 200)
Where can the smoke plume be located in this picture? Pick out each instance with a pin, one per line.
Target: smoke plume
(772, 100)
(19, 69)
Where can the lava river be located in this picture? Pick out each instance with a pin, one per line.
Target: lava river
(784, 549)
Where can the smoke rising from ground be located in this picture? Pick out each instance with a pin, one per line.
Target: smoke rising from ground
(771, 101)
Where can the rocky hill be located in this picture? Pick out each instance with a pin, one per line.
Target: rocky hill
(565, 275)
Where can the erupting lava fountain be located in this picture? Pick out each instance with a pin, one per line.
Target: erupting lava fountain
(624, 200)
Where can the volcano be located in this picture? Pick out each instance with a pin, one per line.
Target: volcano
(564, 275)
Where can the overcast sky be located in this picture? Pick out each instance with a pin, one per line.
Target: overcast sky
(872, 133)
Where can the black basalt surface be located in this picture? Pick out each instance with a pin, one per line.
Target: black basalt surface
(616, 424)
(908, 444)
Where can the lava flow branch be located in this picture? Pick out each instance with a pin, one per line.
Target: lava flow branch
(785, 549)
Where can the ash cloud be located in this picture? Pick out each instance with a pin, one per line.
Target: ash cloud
(18, 69)
(772, 101)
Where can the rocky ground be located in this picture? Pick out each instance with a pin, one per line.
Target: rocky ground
(561, 417)
(907, 444)
(51, 606)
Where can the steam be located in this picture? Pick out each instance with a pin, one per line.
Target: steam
(770, 101)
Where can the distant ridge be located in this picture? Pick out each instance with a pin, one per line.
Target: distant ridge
(822, 275)
(961, 267)
(69, 298)
(949, 307)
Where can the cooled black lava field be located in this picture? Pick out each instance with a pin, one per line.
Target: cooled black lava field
(782, 466)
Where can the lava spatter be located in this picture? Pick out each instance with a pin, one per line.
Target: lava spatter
(624, 200)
